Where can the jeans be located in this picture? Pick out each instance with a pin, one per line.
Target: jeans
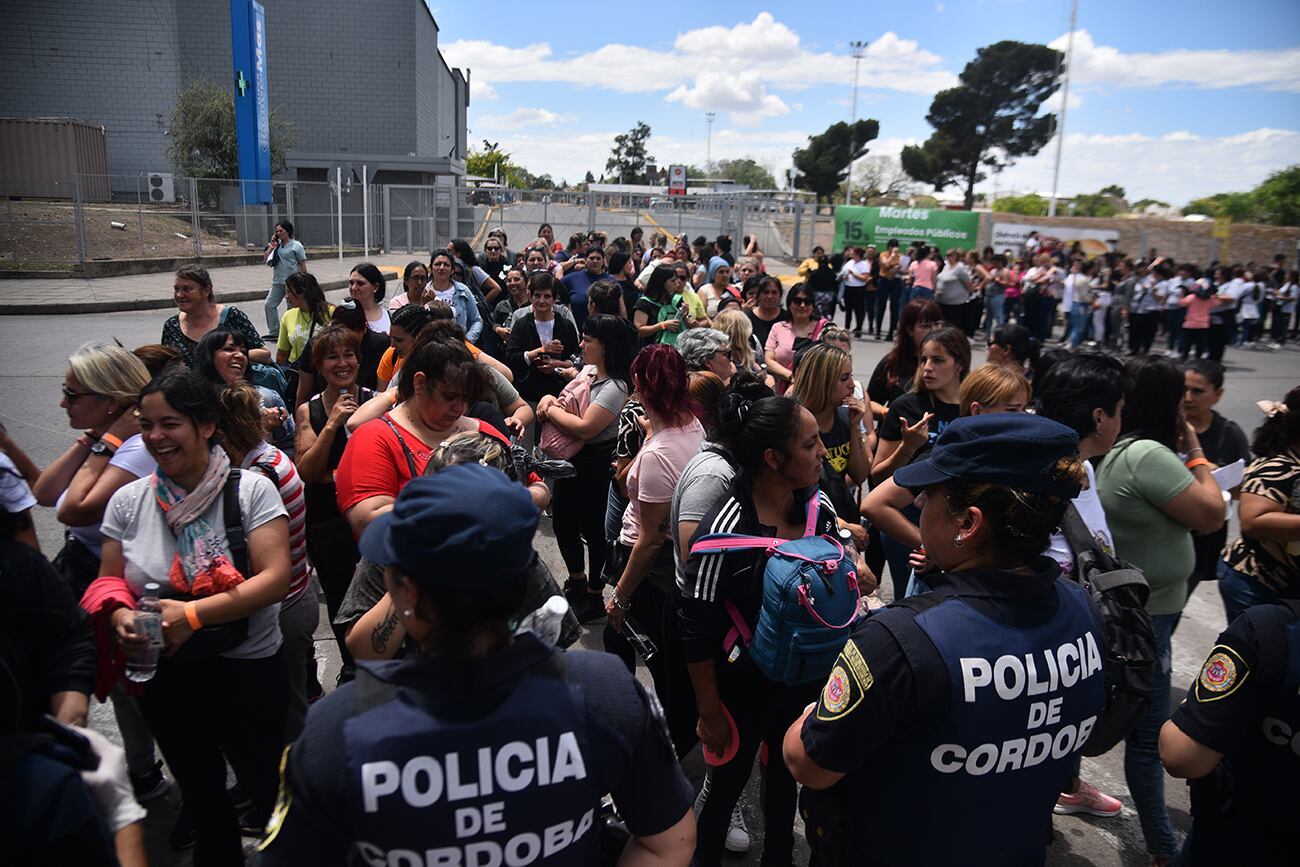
(615, 505)
(298, 622)
(875, 310)
(205, 712)
(892, 290)
(922, 292)
(1078, 322)
(763, 710)
(1174, 328)
(137, 740)
(1240, 591)
(578, 510)
(1142, 769)
(995, 304)
(272, 306)
(896, 554)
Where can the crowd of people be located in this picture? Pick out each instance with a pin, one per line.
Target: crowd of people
(725, 496)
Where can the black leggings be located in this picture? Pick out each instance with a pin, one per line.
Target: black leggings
(855, 305)
(579, 511)
(763, 710)
(334, 554)
(205, 712)
(1142, 331)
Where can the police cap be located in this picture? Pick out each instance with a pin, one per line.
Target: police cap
(1013, 449)
(466, 527)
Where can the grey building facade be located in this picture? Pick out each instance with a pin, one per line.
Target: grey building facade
(362, 83)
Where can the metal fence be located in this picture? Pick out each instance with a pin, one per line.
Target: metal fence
(117, 217)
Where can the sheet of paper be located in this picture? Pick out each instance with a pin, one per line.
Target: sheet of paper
(1230, 475)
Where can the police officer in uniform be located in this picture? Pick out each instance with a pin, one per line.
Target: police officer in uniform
(963, 708)
(1236, 738)
(485, 748)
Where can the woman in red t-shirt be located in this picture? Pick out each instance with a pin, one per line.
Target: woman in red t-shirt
(438, 383)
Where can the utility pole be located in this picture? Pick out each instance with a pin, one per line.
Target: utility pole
(708, 141)
(1065, 103)
(858, 47)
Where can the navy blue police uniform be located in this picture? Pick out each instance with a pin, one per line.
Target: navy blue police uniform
(1245, 703)
(963, 708)
(499, 759)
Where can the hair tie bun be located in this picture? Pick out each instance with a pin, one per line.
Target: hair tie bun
(742, 411)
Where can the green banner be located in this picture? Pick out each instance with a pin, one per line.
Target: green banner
(944, 229)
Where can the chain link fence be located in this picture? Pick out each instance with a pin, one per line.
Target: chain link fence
(160, 216)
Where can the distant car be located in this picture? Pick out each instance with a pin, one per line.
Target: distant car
(480, 197)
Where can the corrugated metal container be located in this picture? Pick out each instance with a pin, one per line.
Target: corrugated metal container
(41, 157)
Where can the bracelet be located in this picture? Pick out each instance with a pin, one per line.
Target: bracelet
(1196, 449)
(113, 441)
(192, 615)
(1197, 462)
(620, 604)
(84, 440)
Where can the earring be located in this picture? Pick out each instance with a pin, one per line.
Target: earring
(958, 541)
(407, 612)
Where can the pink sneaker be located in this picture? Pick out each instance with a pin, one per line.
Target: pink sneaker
(1088, 800)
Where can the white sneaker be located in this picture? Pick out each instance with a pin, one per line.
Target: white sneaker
(737, 834)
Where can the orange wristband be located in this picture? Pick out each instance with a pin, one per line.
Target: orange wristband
(192, 615)
(111, 440)
(1197, 462)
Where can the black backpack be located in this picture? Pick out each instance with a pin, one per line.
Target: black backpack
(1120, 591)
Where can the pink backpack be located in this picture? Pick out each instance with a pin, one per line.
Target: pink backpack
(574, 399)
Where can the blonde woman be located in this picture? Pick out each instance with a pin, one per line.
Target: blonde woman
(823, 384)
(994, 388)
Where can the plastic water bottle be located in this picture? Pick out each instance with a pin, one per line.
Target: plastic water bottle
(148, 622)
(546, 621)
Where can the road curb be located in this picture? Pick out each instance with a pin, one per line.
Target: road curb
(126, 305)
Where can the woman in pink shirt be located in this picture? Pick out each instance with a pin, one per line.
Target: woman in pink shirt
(1198, 303)
(923, 269)
(648, 577)
(786, 338)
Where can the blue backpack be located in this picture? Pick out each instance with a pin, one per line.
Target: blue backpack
(810, 602)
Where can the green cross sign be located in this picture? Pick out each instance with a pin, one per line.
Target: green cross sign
(242, 83)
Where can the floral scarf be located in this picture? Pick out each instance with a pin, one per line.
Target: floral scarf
(201, 567)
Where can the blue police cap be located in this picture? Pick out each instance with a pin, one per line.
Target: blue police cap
(1008, 448)
(468, 526)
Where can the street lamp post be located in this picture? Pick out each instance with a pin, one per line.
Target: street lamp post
(858, 48)
(708, 140)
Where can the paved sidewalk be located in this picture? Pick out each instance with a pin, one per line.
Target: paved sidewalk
(153, 291)
(25, 296)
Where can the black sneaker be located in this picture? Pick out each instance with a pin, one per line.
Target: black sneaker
(150, 785)
(586, 606)
(184, 831)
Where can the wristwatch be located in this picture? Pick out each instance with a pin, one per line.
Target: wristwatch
(100, 447)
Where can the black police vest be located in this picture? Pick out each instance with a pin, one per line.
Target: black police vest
(1263, 773)
(511, 787)
(980, 782)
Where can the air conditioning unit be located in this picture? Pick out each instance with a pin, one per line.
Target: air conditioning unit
(161, 188)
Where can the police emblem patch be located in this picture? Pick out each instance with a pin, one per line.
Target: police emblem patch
(1223, 672)
(836, 693)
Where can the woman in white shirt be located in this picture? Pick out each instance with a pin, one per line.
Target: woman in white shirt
(855, 274)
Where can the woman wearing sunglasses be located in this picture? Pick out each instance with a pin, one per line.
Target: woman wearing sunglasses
(786, 338)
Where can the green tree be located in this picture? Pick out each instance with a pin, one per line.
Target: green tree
(589, 178)
(990, 118)
(629, 158)
(1239, 206)
(745, 171)
(1142, 204)
(1278, 197)
(1095, 205)
(1112, 190)
(1031, 204)
(824, 163)
(202, 132)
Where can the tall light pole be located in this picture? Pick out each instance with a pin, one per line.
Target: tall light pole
(858, 47)
(708, 140)
(1065, 103)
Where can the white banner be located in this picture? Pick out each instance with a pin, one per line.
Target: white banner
(1094, 242)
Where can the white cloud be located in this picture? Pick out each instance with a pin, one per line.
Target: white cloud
(727, 69)
(1174, 167)
(480, 90)
(522, 117)
(1053, 102)
(1265, 69)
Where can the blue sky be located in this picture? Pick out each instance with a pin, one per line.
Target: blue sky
(1172, 100)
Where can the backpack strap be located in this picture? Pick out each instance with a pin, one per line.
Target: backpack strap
(739, 630)
(234, 523)
(1076, 531)
(814, 511)
(410, 458)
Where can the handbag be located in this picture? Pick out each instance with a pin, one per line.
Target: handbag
(574, 399)
(218, 638)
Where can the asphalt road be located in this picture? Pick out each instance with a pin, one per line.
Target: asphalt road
(34, 362)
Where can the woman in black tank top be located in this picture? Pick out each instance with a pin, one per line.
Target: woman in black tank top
(322, 436)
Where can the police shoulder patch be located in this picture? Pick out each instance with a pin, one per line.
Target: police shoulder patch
(1223, 673)
(848, 682)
